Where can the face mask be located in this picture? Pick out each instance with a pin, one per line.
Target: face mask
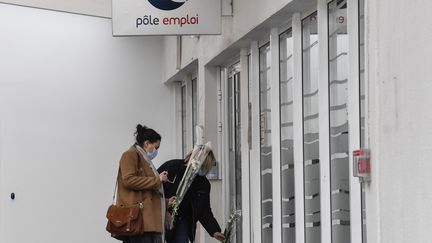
(152, 155)
(202, 172)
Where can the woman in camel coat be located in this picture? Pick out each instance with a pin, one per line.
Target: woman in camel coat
(140, 182)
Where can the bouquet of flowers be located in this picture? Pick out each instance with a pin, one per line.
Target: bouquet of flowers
(229, 229)
(199, 154)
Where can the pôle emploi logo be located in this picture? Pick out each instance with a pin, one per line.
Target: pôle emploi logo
(167, 5)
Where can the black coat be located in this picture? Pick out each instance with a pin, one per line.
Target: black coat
(196, 203)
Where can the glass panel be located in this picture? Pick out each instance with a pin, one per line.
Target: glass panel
(183, 118)
(249, 103)
(238, 168)
(311, 130)
(234, 141)
(231, 129)
(265, 146)
(194, 108)
(287, 138)
(338, 110)
(362, 100)
(362, 70)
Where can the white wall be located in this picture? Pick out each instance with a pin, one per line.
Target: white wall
(169, 60)
(100, 8)
(70, 98)
(247, 15)
(399, 199)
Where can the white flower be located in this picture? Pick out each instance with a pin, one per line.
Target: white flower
(229, 229)
(199, 154)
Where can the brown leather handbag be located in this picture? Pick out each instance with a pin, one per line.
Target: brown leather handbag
(124, 220)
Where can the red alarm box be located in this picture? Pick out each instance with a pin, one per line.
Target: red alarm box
(361, 164)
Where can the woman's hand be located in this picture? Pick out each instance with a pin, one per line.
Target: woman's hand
(171, 201)
(219, 236)
(163, 176)
(168, 217)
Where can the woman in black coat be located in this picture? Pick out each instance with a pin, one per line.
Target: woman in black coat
(196, 203)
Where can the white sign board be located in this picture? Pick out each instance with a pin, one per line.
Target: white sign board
(166, 17)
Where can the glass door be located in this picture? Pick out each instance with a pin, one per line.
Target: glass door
(265, 145)
(183, 119)
(338, 64)
(311, 156)
(234, 141)
(287, 136)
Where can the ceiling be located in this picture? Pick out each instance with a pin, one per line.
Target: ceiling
(98, 8)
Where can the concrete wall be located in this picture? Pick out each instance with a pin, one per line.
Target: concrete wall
(70, 98)
(399, 37)
(247, 14)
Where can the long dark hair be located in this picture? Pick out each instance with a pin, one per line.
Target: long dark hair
(144, 133)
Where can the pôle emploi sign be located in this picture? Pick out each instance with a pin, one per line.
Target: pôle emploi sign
(166, 17)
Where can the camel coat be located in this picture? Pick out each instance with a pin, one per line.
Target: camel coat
(137, 182)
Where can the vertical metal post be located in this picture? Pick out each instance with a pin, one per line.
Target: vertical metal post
(255, 152)
(324, 122)
(354, 117)
(275, 136)
(244, 104)
(298, 127)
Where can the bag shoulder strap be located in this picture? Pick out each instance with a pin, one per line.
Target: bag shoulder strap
(116, 184)
(118, 176)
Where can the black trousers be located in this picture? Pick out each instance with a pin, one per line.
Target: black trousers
(149, 237)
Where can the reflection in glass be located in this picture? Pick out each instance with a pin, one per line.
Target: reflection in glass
(311, 130)
(287, 152)
(338, 110)
(183, 119)
(265, 144)
(362, 101)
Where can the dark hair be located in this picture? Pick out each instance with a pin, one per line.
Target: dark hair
(144, 133)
